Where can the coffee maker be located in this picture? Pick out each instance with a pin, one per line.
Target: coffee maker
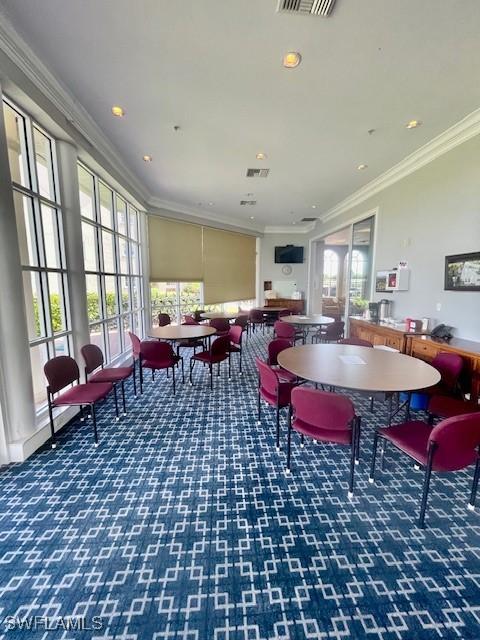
(373, 311)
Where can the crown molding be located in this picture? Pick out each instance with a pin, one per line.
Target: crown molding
(28, 63)
(290, 229)
(182, 212)
(464, 130)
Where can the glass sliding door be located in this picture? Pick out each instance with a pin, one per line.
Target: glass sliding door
(360, 258)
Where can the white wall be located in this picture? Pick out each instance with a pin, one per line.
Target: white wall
(271, 271)
(432, 213)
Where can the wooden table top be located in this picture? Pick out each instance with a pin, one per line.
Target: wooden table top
(360, 368)
(308, 320)
(210, 315)
(270, 309)
(181, 331)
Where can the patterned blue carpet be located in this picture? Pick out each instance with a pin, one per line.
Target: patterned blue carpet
(183, 525)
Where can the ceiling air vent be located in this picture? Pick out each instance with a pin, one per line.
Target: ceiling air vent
(306, 7)
(257, 173)
(309, 219)
(250, 203)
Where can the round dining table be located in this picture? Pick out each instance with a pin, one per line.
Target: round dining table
(210, 315)
(358, 368)
(176, 332)
(309, 321)
(271, 310)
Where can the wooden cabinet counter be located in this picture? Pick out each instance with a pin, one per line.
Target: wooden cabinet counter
(378, 333)
(295, 306)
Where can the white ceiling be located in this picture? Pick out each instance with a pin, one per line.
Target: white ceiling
(213, 67)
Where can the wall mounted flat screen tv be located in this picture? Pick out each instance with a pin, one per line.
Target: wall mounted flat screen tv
(289, 254)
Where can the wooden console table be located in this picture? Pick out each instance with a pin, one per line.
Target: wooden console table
(378, 334)
(295, 306)
(426, 348)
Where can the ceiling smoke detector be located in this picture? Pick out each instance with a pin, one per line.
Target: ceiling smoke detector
(322, 8)
(257, 173)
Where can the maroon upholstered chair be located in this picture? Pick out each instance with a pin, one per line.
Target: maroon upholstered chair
(448, 407)
(157, 355)
(450, 366)
(190, 343)
(284, 312)
(242, 321)
(274, 391)
(235, 336)
(93, 357)
(325, 417)
(330, 333)
(163, 319)
(198, 314)
(135, 340)
(356, 342)
(288, 331)
(188, 319)
(218, 352)
(450, 446)
(256, 319)
(63, 371)
(222, 325)
(274, 348)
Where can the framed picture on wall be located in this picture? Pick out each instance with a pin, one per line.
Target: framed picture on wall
(462, 272)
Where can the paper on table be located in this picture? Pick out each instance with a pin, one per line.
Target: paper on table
(352, 360)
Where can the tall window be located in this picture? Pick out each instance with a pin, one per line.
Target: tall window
(112, 252)
(31, 153)
(330, 273)
(358, 278)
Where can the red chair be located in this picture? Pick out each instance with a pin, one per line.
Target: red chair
(190, 343)
(448, 407)
(156, 355)
(135, 340)
(450, 446)
(63, 371)
(325, 417)
(188, 319)
(163, 319)
(256, 319)
(222, 325)
(330, 333)
(450, 366)
(235, 336)
(288, 332)
(285, 312)
(274, 348)
(218, 352)
(242, 321)
(356, 342)
(198, 314)
(274, 391)
(93, 357)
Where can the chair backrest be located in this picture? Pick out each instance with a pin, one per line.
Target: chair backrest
(275, 347)
(93, 357)
(285, 312)
(60, 372)
(220, 324)
(284, 330)
(255, 315)
(135, 340)
(236, 333)
(156, 351)
(163, 319)
(457, 440)
(450, 366)
(241, 321)
(334, 331)
(357, 342)
(220, 346)
(189, 320)
(323, 409)
(198, 314)
(268, 379)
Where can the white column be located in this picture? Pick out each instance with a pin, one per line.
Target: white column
(17, 390)
(72, 230)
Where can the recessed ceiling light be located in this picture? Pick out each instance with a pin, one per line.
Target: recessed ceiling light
(118, 111)
(147, 158)
(294, 222)
(261, 156)
(413, 124)
(362, 167)
(252, 217)
(314, 206)
(211, 204)
(291, 59)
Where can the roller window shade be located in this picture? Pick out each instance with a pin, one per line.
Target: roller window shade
(228, 266)
(175, 250)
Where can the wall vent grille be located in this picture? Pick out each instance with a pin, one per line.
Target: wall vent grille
(249, 203)
(257, 173)
(307, 7)
(309, 219)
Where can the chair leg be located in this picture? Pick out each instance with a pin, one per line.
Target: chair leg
(357, 431)
(426, 487)
(82, 416)
(52, 427)
(117, 415)
(173, 378)
(94, 419)
(430, 419)
(123, 398)
(229, 366)
(259, 407)
(289, 438)
(153, 375)
(192, 364)
(218, 370)
(141, 378)
(372, 401)
(302, 440)
(134, 379)
(383, 451)
(473, 494)
(241, 372)
(352, 466)
(278, 429)
(183, 371)
(371, 477)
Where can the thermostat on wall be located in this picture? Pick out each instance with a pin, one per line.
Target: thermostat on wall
(286, 269)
